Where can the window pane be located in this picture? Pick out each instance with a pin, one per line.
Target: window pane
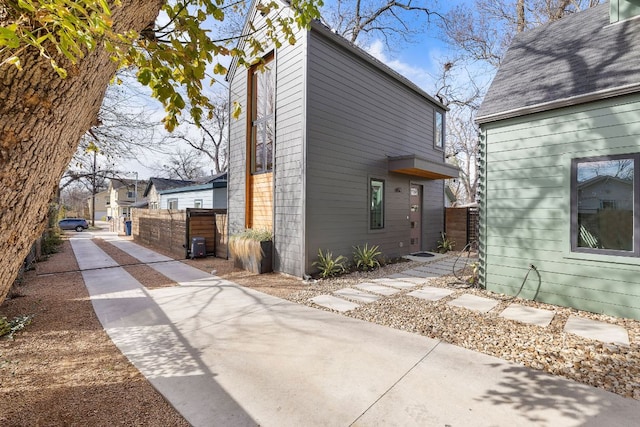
(439, 130)
(264, 93)
(259, 148)
(377, 204)
(605, 204)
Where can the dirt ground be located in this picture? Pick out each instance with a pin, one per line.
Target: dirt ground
(63, 370)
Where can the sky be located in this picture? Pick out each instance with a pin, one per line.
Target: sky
(420, 61)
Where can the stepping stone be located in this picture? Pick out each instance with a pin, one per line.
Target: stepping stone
(434, 269)
(395, 283)
(475, 303)
(421, 274)
(530, 315)
(377, 289)
(334, 303)
(410, 279)
(595, 330)
(357, 295)
(431, 293)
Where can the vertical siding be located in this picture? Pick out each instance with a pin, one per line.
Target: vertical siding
(357, 117)
(525, 208)
(287, 185)
(289, 157)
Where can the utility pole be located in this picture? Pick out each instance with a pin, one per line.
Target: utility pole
(93, 190)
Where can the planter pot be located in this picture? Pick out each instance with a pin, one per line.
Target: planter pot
(254, 265)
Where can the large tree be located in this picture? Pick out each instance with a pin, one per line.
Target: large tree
(57, 58)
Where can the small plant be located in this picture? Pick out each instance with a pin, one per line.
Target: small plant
(10, 327)
(329, 266)
(445, 245)
(366, 258)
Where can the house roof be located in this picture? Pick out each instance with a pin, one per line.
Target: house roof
(352, 48)
(580, 58)
(162, 184)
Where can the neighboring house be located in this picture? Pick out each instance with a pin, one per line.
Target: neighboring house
(102, 201)
(560, 168)
(211, 194)
(156, 185)
(123, 195)
(333, 150)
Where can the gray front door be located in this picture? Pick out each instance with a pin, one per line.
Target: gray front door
(415, 217)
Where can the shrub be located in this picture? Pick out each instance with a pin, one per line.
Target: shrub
(8, 328)
(445, 245)
(366, 258)
(329, 266)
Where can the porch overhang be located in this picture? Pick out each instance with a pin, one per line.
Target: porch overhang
(416, 166)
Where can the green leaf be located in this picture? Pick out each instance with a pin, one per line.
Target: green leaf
(8, 37)
(61, 71)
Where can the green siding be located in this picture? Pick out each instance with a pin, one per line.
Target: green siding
(525, 207)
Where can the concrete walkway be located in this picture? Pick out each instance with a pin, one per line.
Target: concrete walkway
(225, 355)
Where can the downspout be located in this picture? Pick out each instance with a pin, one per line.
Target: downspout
(482, 207)
(303, 197)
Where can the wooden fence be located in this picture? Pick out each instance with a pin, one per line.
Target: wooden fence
(170, 231)
(461, 226)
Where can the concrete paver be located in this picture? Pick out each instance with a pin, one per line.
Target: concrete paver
(530, 315)
(357, 295)
(431, 293)
(334, 303)
(377, 289)
(421, 274)
(409, 278)
(595, 330)
(474, 302)
(395, 283)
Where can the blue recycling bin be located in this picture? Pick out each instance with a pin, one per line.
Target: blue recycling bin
(127, 228)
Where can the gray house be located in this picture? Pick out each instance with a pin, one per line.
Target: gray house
(334, 149)
(560, 133)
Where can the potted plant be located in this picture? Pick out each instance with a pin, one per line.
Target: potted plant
(252, 250)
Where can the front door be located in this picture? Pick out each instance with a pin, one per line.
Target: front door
(415, 217)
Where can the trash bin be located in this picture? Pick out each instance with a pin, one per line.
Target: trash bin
(127, 228)
(198, 247)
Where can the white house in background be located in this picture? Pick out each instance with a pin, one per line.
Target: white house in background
(156, 185)
(209, 195)
(103, 200)
(123, 195)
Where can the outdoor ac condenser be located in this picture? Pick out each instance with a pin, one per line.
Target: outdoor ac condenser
(198, 247)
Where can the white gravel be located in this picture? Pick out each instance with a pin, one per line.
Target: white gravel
(551, 349)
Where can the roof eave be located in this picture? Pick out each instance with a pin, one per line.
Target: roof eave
(560, 103)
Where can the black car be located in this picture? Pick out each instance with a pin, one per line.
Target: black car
(77, 224)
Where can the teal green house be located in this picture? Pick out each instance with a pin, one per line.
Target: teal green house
(560, 164)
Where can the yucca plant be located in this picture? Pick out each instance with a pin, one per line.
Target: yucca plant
(366, 258)
(444, 244)
(328, 265)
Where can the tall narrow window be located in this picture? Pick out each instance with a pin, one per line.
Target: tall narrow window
(604, 205)
(376, 199)
(262, 116)
(438, 130)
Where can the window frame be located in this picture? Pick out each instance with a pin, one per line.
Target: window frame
(255, 124)
(573, 184)
(170, 201)
(196, 202)
(370, 204)
(438, 143)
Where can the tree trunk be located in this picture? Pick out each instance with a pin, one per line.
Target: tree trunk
(520, 18)
(42, 118)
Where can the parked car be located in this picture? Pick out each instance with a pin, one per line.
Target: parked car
(77, 224)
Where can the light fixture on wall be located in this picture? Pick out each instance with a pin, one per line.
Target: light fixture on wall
(398, 189)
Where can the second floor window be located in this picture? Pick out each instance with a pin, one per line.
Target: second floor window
(438, 130)
(262, 115)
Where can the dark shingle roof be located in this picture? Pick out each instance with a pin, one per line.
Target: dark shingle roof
(162, 184)
(563, 62)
